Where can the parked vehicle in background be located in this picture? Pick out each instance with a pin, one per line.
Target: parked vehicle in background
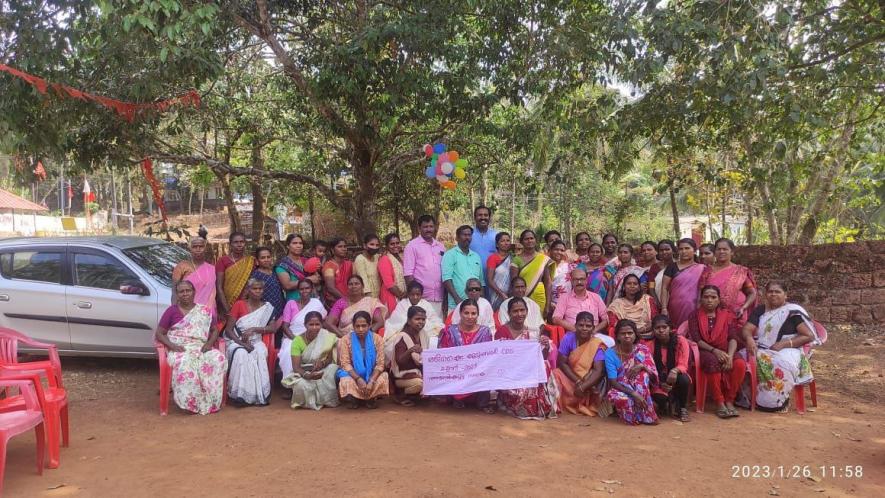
(91, 296)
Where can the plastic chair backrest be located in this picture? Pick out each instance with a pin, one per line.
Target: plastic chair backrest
(27, 389)
(821, 333)
(9, 345)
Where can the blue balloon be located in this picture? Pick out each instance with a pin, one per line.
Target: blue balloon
(439, 148)
(430, 172)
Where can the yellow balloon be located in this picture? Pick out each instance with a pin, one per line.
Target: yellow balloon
(460, 173)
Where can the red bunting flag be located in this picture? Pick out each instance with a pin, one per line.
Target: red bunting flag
(40, 172)
(88, 194)
(148, 167)
(127, 110)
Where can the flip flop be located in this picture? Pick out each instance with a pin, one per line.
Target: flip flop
(723, 413)
(683, 415)
(733, 413)
(407, 402)
(490, 410)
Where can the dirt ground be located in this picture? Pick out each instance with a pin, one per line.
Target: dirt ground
(120, 445)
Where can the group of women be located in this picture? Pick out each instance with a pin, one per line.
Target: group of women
(340, 343)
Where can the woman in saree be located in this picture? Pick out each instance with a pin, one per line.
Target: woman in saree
(534, 321)
(390, 271)
(633, 375)
(312, 360)
(498, 270)
(336, 272)
(361, 375)
(625, 266)
(716, 332)
(530, 403)
(635, 305)
(580, 375)
(433, 324)
(248, 381)
(705, 254)
(340, 317)
(560, 272)
(734, 281)
(232, 271)
(582, 248)
(273, 291)
(671, 353)
(776, 334)
(679, 296)
(198, 369)
(598, 275)
(467, 332)
(406, 366)
(293, 318)
(666, 253)
(648, 260)
(198, 272)
(533, 267)
(290, 270)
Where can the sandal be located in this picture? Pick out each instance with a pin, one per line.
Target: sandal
(407, 402)
(371, 404)
(723, 412)
(732, 412)
(491, 410)
(353, 404)
(683, 415)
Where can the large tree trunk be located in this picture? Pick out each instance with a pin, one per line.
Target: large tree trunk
(227, 192)
(363, 205)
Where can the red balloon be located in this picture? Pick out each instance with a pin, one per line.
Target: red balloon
(428, 150)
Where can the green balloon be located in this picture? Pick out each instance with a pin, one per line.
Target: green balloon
(433, 162)
(461, 163)
(434, 157)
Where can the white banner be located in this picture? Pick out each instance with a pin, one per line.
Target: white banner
(486, 366)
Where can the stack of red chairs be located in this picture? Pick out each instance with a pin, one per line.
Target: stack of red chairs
(53, 398)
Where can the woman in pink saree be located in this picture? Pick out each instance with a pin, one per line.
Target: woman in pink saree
(735, 282)
(198, 272)
(679, 296)
(467, 332)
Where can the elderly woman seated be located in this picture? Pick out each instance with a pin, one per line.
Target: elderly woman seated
(248, 380)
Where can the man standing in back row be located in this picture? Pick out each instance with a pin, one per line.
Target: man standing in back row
(459, 265)
(422, 261)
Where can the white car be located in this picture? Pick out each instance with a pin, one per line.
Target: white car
(91, 296)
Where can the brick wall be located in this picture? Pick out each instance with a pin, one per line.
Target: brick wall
(836, 283)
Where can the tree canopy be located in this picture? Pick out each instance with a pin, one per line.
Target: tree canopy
(575, 115)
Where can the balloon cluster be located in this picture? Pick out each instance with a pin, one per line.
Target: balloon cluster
(444, 165)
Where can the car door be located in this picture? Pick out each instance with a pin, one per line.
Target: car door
(100, 317)
(32, 293)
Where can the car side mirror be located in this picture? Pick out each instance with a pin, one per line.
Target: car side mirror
(134, 288)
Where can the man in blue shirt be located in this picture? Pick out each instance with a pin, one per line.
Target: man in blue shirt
(460, 264)
(483, 241)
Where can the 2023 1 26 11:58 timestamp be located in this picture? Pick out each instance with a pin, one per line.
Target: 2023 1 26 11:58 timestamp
(796, 471)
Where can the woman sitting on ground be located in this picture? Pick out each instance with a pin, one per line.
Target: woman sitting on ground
(293, 320)
(340, 317)
(361, 376)
(312, 356)
(534, 321)
(716, 332)
(433, 324)
(775, 334)
(632, 373)
(464, 333)
(538, 402)
(248, 381)
(406, 366)
(197, 367)
(580, 375)
(635, 305)
(671, 353)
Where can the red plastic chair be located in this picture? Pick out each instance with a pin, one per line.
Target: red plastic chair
(798, 391)
(53, 399)
(23, 419)
(698, 377)
(166, 376)
(556, 333)
(271, 353)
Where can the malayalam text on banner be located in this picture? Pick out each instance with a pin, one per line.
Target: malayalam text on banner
(486, 366)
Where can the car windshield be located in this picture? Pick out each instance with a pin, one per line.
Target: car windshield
(158, 260)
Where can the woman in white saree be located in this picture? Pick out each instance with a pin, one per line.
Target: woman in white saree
(248, 378)
(293, 321)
